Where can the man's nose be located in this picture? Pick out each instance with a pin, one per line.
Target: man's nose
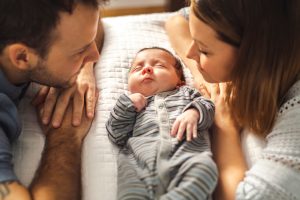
(147, 69)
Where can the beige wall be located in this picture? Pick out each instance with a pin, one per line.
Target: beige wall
(130, 7)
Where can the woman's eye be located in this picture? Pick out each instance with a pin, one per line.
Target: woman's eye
(203, 52)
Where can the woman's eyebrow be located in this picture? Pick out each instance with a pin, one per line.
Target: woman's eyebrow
(201, 43)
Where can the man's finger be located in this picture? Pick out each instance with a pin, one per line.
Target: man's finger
(60, 109)
(49, 105)
(90, 99)
(78, 104)
(40, 96)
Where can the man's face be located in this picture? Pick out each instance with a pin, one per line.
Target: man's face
(73, 46)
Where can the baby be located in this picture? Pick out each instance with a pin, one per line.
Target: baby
(161, 129)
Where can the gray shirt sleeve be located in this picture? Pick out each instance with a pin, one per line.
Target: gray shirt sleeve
(121, 121)
(10, 128)
(205, 107)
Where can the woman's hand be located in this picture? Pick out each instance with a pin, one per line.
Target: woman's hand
(223, 116)
(55, 101)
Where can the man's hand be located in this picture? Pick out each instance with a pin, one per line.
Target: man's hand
(83, 94)
(139, 101)
(186, 123)
(61, 160)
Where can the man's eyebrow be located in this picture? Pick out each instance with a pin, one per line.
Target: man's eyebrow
(85, 47)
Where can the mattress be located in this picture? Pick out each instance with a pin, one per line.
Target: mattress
(124, 36)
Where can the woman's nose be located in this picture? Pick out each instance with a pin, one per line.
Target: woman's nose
(147, 69)
(192, 52)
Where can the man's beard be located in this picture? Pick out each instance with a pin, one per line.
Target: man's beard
(41, 75)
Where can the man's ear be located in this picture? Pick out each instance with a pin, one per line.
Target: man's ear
(20, 55)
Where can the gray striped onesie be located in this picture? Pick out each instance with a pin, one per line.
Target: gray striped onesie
(152, 164)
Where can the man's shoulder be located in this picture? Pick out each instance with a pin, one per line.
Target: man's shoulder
(9, 117)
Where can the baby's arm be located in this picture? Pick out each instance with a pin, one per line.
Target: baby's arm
(121, 120)
(197, 116)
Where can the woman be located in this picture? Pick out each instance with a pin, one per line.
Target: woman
(252, 45)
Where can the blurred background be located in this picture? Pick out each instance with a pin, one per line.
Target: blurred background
(133, 7)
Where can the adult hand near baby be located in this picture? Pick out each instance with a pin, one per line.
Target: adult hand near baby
(82, 93)
(216, 92)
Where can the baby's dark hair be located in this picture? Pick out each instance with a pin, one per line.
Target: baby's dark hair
(178, 65)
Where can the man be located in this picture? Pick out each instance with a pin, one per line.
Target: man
(48, 42)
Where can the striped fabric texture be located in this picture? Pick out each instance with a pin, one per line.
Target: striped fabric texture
(152, 164)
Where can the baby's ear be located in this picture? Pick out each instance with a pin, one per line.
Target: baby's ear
(181, 83)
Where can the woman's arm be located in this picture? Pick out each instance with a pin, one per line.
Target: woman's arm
(227, 153)
(177, 28)
(226, 145)
(276, 174)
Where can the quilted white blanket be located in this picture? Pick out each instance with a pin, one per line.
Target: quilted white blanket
(124, 36)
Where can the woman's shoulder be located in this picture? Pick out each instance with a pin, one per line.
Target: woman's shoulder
(277, 170)
(185, 12)
(289, 112)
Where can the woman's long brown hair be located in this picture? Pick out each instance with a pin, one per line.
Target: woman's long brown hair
(266, 34)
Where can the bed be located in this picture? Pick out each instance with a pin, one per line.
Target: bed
(124, 37)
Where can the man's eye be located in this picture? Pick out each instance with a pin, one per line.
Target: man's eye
(81, 52)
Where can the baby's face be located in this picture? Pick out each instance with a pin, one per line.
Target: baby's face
(153, 71)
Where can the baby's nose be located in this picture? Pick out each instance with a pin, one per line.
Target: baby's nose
(147, 69)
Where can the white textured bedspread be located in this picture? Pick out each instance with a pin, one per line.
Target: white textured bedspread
(124, 36)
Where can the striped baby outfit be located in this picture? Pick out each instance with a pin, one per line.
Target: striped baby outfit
(151, 163)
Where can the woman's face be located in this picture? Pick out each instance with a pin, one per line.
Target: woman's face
(214, 57)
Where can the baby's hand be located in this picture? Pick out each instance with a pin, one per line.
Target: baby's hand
(186, 123)
(139, 101)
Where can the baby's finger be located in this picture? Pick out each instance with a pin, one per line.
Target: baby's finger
(189, 132)
(175, 128)
(181, 131)
(195, 132)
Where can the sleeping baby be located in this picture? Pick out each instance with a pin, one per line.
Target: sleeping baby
(161, 129)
